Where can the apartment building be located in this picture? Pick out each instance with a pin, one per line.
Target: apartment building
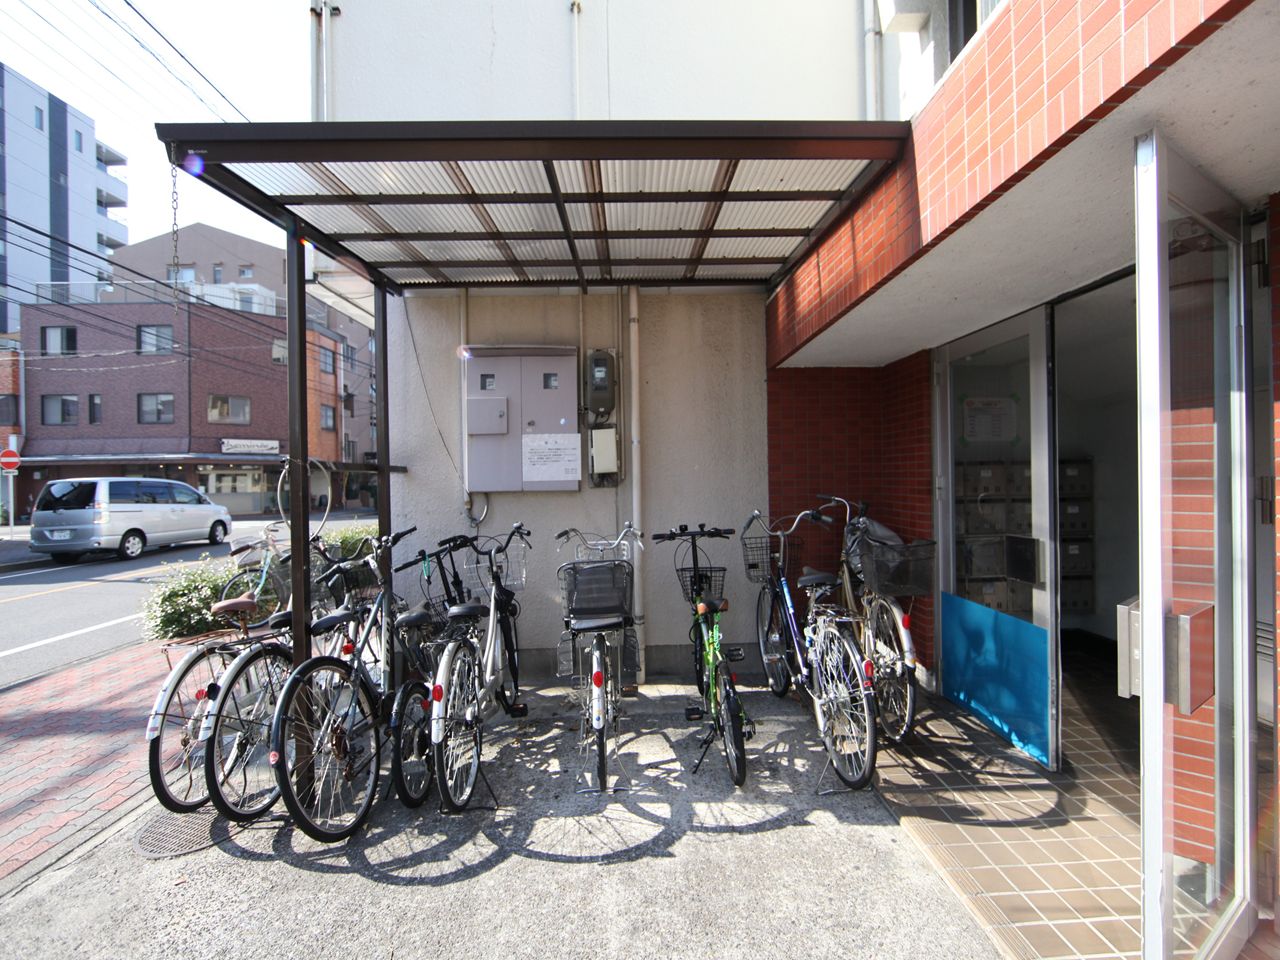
(59, 189)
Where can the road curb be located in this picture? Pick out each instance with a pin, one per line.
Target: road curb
(25, 565)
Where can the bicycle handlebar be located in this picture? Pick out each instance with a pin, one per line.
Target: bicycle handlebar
(601, 543)
(422, 555)
(684, 533)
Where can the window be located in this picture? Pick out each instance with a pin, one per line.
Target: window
(279, 350)
(246, 271)
(154, 492)
(124, 491)
(155, 408)
(155, 338)
(184, 494)
(57, 341)
(95, 408)
(79, 139)
(67, 495)
(39, 119)
(326, 360)
(183, 273)
(217, 273)
(231, 483)
(246, 302)
(58, 408)
(228, 409)
(349, 355)
(326, 417)
(9, 410)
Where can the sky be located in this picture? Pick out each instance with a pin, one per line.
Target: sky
(255, 51)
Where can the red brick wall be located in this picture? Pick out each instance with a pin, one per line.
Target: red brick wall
(1040, 74)
(863, 434)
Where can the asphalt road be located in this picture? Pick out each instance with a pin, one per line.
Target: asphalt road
(54, 615)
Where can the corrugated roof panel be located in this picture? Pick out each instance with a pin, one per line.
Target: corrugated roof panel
(737, 272)
(751, 246)
(524, 216)
(648, 273)
(567, 274)
(279, 178)
(629, 176)
(652, 216)
(445, 251)
(796, 174)
(475, 275)
(410, 275)
(572, 176)
(429, 218)
(674, 248)
(332, 219)
(541, 249)
(506, 176)
(375, 249)
(772, 213)
(394, 177)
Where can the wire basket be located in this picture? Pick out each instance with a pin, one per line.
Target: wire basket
(359, 581)
(248, 551)
(603, 550)
(898, 569)
(512, 566)
(757, 557)
(595, 589)
(711, 582)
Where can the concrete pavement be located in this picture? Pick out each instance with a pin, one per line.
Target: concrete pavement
(684, 866)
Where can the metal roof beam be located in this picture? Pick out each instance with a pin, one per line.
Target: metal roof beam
(674, 233)
(680, 262)
(641, 196)
(554, 182)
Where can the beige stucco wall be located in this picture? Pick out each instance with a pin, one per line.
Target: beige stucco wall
(703, 408)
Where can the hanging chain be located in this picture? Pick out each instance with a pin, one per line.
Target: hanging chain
(173, 280)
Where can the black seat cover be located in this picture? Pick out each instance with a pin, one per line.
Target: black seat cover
(816, 578)
(325, 624)
(472, 609)
(715, 604)
(589, 624)
(418, 618)
(278, 621)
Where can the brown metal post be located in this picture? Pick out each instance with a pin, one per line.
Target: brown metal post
(299, 466)
(382, 407)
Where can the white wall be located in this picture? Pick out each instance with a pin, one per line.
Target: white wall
(703, 429)
(638, 59)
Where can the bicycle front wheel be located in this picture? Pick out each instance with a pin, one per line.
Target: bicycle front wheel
(844, 708)
(730, 722)
(237, 772)
(270, 593)
(895, 682)
(773, 652)
(325, 748)
(457, 746)
(175, 755)
(411, 761)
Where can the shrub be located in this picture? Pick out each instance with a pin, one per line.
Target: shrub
(346, 540)
(179, 604)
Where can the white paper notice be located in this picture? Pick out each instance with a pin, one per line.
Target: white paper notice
(990, 420)
(552, 456)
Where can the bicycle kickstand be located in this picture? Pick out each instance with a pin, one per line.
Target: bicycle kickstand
(706, 745)
(840, 788)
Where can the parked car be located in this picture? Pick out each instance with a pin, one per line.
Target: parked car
(125, 514)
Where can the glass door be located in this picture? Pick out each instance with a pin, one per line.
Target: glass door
(1195, 533)
(998, 606)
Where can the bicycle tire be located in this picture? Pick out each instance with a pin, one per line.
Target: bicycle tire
(177, 777)
(735, 749)
(773, 648)
(508, 691)
(895, 682)
(699, 658)
(237, 773)
(844, 708)
(270, 598)
(457, 750)
(412, 762)
(329, 715)
(600, 663)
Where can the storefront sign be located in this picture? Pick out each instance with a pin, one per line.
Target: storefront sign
(250, 446)
(551, 456)
(990, 420)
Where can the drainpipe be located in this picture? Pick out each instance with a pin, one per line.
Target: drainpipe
(463, 333)
(321, 29)
(637, 500)
(871, 60)
(575, 11)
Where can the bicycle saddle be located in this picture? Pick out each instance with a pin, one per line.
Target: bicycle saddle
(325, 624)
(713, 605)
(243, 604)
(472, 609)
(590, 624)
(418, 618)
(816, 578)
(278, 621)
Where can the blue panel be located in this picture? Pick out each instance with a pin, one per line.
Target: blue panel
(997, 666)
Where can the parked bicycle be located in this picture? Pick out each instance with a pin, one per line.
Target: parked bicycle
(875, 567)
(703, 588)
(825, 658)
(477, 671)
(597, 593)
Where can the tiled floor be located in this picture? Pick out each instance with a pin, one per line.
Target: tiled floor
(1049, 862)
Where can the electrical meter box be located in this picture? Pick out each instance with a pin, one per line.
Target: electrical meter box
(521, 419)
(601, 383)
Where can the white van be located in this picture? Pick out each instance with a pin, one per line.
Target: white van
(125, 514)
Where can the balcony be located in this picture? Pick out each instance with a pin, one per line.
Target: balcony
(112, 233)
(108, 156)
(112, 191)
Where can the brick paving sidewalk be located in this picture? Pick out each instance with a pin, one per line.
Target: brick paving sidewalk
(72, 751)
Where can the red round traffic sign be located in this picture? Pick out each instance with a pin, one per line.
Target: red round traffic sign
(10, 460)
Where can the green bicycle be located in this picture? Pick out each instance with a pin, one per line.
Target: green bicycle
(703, 587)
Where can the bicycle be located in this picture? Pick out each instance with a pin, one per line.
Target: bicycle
(875, 567)
(703, 588)
(825, 658)
(326, 737)
(597, 592)
(474, 671)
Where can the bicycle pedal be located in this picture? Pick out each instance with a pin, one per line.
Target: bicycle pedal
(518, 710)
(748, 729)
(693, 713)
(734, 654)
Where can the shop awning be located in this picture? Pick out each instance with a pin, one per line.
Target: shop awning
(560, 203)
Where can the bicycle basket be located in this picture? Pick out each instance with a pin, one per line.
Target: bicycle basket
(603, 550)
(248, 551)
(592, 589)
(359, 580)
(757, 557)
(512, 566)
(710, 582)
(898, 569)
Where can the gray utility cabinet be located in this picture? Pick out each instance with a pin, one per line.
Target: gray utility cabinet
(521, 419)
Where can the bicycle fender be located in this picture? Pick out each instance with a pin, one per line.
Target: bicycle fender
(908, 646)
(597, 691)
(212, 701)
(156, 718)
(437, 706)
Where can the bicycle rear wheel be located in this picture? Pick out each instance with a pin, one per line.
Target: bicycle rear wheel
(730, 723)
(844, 708)
(457, 749)
(270, 597)
(599, 709)
(325, 749)
(175, 754)
(895, 682)
(411, 760)
(773, 646)
(237, 773)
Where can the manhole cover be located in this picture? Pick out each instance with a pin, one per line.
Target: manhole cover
(167, 834)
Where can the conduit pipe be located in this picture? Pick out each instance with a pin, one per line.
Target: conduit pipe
(871, 60)
(637, 475)
(575, 12)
